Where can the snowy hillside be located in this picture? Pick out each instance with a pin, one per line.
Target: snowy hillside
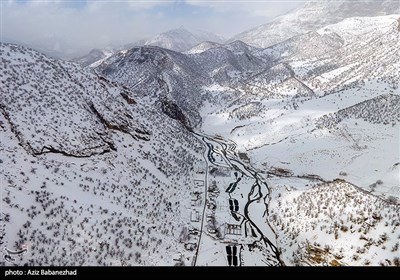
(96, 177)
(312, 16)
(339, 225)
(181, 39)
(226, 62)
(202, 47)
(160, 75)
(94, 56)
(352, 51)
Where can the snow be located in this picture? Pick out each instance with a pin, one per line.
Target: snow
(97, 172)
(182, 39)
(202, 47)
(291, 136)
(73, 203)
(340, 227)
(312, 16)
(353, 28)
(292, 133)
(98, 62)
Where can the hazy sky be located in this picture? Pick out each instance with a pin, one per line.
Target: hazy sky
(79, 25)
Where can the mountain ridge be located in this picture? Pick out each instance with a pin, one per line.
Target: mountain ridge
(311, 16)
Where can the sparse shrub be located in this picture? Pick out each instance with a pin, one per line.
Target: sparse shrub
(395, 247)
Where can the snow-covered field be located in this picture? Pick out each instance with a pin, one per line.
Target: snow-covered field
(353, 149)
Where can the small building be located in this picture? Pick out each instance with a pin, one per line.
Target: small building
(196, 196)
(190, 246)
(233, 229)
(194, 216)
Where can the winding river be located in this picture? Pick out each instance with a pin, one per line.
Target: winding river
(255, 223)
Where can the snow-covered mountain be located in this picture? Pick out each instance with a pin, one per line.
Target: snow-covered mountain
(177, 40)
(227, 62)
(160, 75)
(206, 45)
(351, 66)
(92, 176)
(182, 39)
(322, 122)
(343, 50)
(312, 16)
(294, 67)
(209, 156)
(94, 57)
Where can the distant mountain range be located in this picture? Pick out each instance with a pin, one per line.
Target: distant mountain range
(95, 55)
(181, 39)
(312, 16)
(308, 17)
(178, 40)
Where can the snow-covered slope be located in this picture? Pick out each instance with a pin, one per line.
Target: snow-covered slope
(323, 103)
(202, 47)
(39, 92)
(340, 225)
(225, 62)
(181, 39)
(312, 16)
(95, 55)
(160, 75)
(332, 57)
(89, 175)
